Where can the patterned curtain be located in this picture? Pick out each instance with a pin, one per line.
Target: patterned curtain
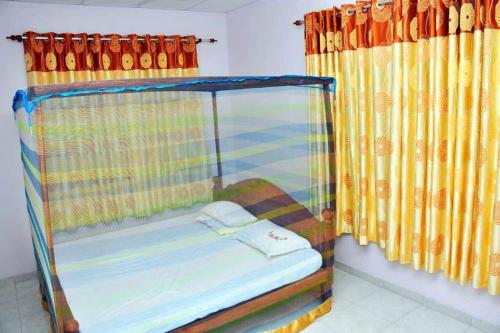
(417, 134)
(117, 57)
(152, 153)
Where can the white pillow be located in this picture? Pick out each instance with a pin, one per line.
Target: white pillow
(218, 227)
(271, 239)
(229, 213)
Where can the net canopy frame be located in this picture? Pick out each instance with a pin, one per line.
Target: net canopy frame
(321, 234)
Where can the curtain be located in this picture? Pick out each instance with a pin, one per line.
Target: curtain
(417, 134)
(154, 153)
(151, 155)
(54, 61)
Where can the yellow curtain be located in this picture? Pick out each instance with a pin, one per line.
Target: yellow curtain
(417, 129)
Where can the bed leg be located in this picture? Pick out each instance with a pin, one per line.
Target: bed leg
(43, 301)
(45, 304)
(326, 287)
(43, 292)
(52, 328)
(326, 291)
(71, 326)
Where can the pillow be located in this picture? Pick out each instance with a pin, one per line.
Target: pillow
(218, 227)
(271, 239)
(228, 213)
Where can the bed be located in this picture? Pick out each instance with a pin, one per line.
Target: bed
(181, 269)
(175, 274)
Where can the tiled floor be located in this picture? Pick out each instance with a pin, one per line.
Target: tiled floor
(20, 309)
(359, 306)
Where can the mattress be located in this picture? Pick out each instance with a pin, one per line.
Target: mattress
(163, 275)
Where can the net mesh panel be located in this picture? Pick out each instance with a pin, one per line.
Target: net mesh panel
(34, 202)
(113, 156)
(269, 134)
(116, 163)
(115, 160)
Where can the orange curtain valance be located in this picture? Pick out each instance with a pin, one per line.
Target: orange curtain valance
(165, 56)
(400, 21)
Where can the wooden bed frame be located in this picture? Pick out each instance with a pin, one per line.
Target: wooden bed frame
(258, 196)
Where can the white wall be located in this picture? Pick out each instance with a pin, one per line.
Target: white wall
(16, 254)
(263, 41)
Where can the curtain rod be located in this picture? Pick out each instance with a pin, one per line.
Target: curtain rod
(380, 4)
(20, 38)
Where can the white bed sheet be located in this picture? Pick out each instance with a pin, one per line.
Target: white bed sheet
(163, 275)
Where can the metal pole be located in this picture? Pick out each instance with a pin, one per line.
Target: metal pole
(20, 38)
(216, 132)
(331, 145)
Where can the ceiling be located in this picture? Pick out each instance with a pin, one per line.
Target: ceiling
(215, 6)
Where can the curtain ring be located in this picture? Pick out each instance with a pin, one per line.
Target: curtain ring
(350, 11)
(380, 5)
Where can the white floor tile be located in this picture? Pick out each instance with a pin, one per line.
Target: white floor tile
(340, 303)
(317, 327)
(393, 328)
(13, 326)
(471, 329)
(29, 288)
(6, 282)
(353, 289)
(485, 327)
(31, 309)
(353, 320)
(387, 305)
(9, 311)
(7, 294)
(339, 274)
(424, 319)
(36, 325)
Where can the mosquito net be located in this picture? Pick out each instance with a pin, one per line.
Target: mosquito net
(161, 205)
